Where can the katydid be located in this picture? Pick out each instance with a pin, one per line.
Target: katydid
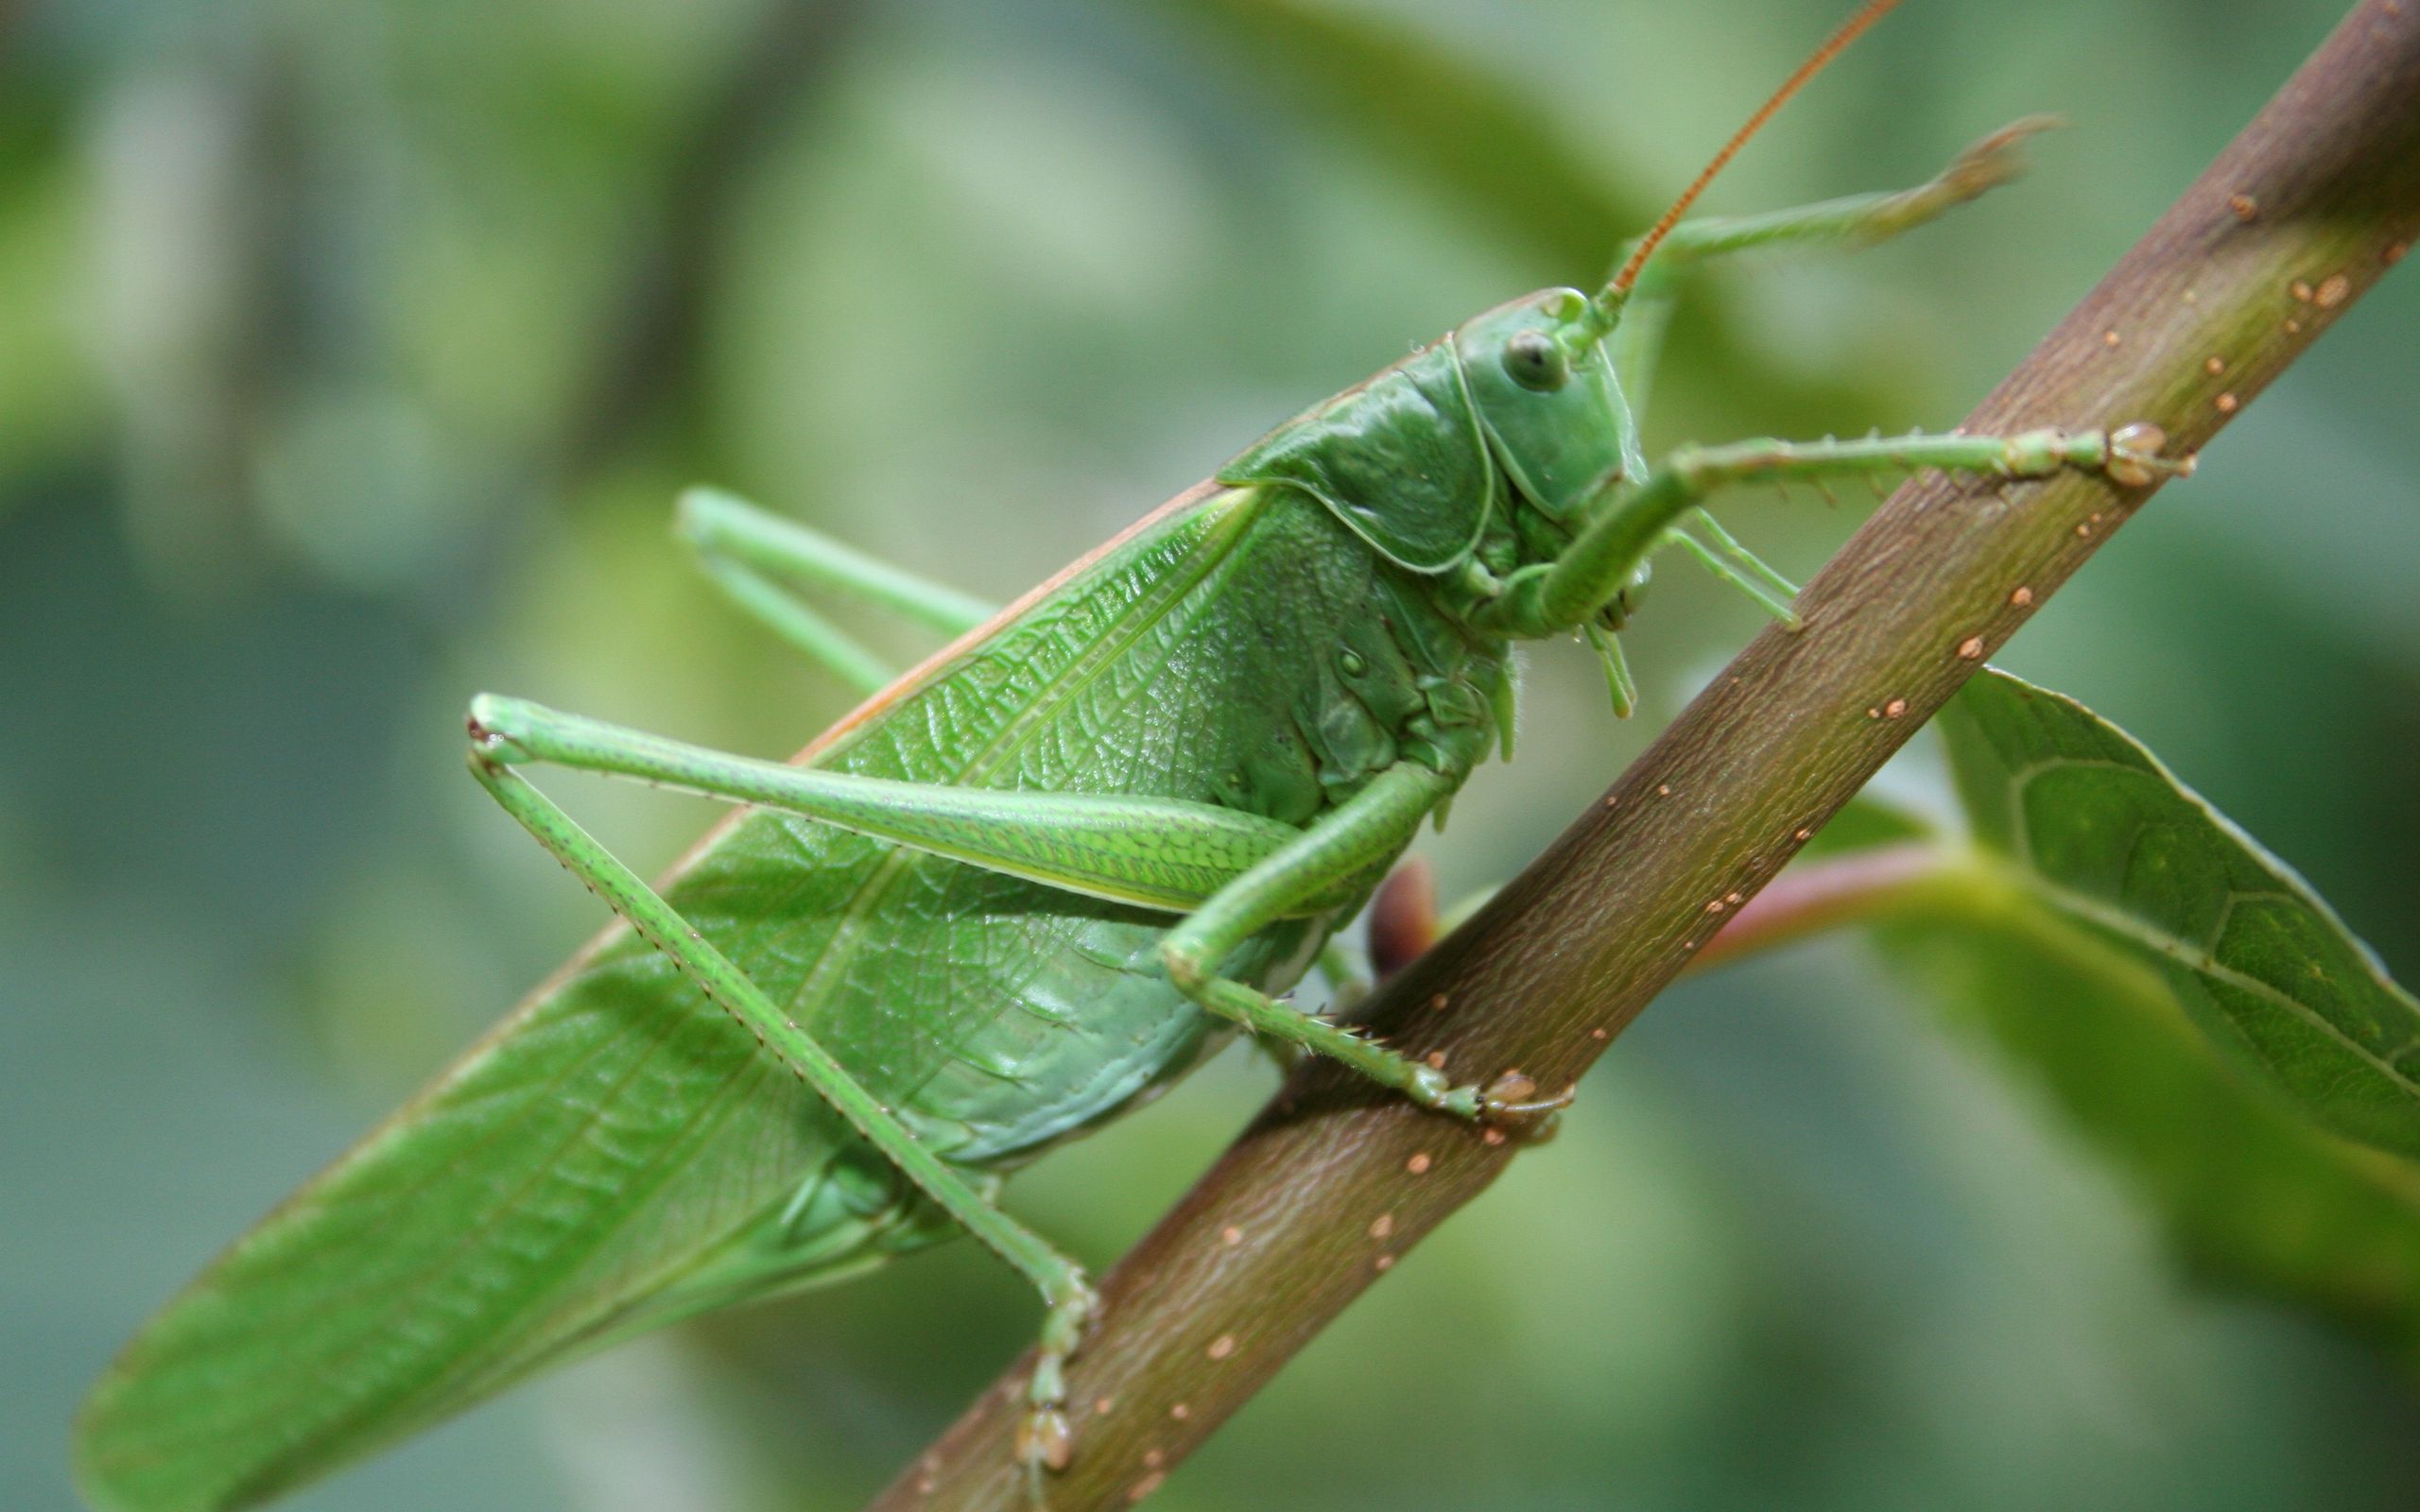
(1017, 891)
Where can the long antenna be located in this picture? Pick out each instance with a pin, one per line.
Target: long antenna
(1867, 14)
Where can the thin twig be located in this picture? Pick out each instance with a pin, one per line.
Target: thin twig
(2295, 219)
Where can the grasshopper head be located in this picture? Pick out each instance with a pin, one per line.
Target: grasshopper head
(1545, 395)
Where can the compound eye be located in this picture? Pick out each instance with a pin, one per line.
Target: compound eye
(1536, 362)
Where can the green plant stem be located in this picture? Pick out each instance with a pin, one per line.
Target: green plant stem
(2299, 215)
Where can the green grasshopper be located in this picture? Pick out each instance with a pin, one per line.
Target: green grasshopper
(1018, 890)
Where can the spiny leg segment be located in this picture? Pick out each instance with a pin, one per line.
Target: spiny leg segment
(1560, 595)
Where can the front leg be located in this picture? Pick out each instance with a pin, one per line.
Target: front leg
(1363, 834)
(1630, 522)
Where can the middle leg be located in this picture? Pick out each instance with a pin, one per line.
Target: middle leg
(1365, 832)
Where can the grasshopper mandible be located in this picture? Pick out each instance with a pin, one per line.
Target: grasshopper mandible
(1019, 888)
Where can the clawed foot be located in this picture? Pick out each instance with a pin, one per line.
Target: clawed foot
(2134, 457)
(1509, 1102)
(1045, 1441)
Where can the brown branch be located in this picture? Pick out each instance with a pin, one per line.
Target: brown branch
(2295, 219)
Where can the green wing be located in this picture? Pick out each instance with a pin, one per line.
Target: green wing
(618, 1153)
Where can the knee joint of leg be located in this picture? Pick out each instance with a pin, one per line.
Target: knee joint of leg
(1693, 467)
(488, 723)
(1184, 964)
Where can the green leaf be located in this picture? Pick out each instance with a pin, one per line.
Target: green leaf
(2152, 967)
(2105, 838)
(2144, 961)
(2251, 1193)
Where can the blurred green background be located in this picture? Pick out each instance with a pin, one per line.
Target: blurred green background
(351, 354)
